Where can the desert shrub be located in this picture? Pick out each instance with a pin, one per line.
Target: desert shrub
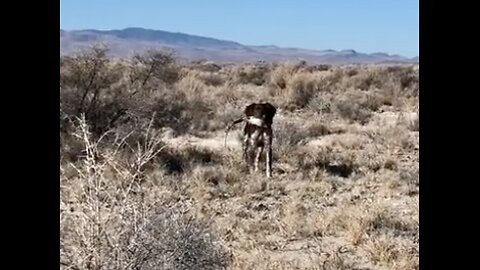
(158, 239)
(215, 181)
(287, 137)
(191, 86)
(112, 93)
(175, 240)
(256, 74)
(364, 80)
(228, 113)
(105, 90)
(204, 65)
(317, 129)
(207, 78)
(301, 88)
(154, 65)
(213, 79)
(391, 85)
(88, 85)
(353, 111)
(320, 67)
(280, 74)
(407, 77)
(108, 220)
(358, 106)
(295, 87)
(321, 102)
(402, 80)
(330, 160)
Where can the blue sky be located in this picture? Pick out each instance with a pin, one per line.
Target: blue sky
(369, 26)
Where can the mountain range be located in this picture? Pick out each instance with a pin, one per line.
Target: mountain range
(125, 42)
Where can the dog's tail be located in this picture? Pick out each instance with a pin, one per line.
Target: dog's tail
(230, 126)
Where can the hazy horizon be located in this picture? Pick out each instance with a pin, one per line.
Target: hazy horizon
(375, 26)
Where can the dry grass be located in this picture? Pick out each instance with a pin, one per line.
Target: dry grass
(146, 183)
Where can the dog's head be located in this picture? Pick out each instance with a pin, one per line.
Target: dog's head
(260, 113)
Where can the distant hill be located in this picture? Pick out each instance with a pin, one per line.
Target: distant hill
(128, 41)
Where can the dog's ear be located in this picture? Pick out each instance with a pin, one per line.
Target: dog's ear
(250, 109)
(271, 110)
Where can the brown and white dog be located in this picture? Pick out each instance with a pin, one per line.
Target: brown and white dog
(257, 133)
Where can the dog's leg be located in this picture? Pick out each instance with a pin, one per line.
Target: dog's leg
(267, 136)
(247, 152)
(258, 154)
(269, 161)
(246, 139)
(252, 147)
